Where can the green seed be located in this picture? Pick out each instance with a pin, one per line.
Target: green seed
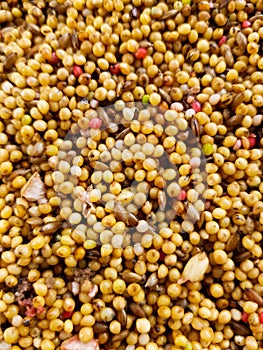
(26, 120)
(145, 99)
(207, 149)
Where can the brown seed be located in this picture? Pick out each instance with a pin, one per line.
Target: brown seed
(252, 295)
(61, 9)
(64, 41)
(50, 227)
(241, 257)
(131, 220)
(241, 40)
(100, 327)
(240, 329)
(223, 3)
(122, 317)
(232, 243)
(167, 98)
(10, 61)
(31, 51)
(121, 335)
(84, 79)
(119, 212)
(229, 58)
(237, 100)
(234, 121)
(168, 15)
(75, 40)
(137, 310)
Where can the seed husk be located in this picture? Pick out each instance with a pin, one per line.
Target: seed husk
(195, 268)
(51, 227)
(34, 29)
(162, 200)
(99, 166)
(192, 213)
(129, 85)
(10, 61)
(254, 18)
(38, 149)
(35, 221)
(195, 127)
(131, 277)
(152, 280)
(145, 44)
(34, 189)
(123, 133)
(18, 172)
(168, 15)
(119, 88)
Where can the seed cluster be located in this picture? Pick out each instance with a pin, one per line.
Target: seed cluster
(131, 211)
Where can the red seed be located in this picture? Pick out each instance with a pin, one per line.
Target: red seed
(197, 106)
(31, 312)
(182, 195)
(162, 256)
(222, 40)
(115, 69)
(244, 317)
(77, 70)
(54, 59)
(252, 141)
(141, 53)
(246, 24)
(261, 317)
(40, 309)
(95, 123)
(67, 314)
